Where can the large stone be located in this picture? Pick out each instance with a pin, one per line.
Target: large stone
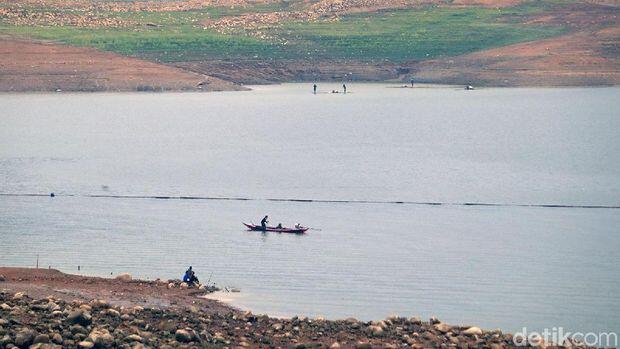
(473, 331)
(19, 295)
(102, 338)
(375, 331)
(51, 306)
(86, 344)
(78, 329)
(99, 304)
(183, 336)
(44, 346)
(2, 278)
(24, 338)
(415, 320)
(133, 338)
(80, 317)
(57, 338)
(219, 338)
(111, 312)
(335, 345)
(5, 340)
(363, 345)
(124, 277)
(42, 338)
(443, 327)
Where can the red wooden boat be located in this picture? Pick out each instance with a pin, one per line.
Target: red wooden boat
(299, 230)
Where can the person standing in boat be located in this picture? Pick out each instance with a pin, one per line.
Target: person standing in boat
(263, 222)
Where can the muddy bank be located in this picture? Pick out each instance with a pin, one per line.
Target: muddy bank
(257, 72)
(49, 309)
(37, 66)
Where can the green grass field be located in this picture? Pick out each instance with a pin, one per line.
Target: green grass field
(394, 35)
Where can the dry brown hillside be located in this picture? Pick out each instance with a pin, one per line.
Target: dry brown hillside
(590, 55)
(41, 66)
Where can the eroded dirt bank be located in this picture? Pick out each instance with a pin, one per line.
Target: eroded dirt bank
(49, 309)
(587, 56)
(27, 66)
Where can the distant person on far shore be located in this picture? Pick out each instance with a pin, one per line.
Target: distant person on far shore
(411, 82)
(265, 220)
(345, 88)
(314, 89)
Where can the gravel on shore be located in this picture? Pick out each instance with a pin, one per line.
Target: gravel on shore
(45, 322)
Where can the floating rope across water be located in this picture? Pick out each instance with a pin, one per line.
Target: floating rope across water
(220, 198)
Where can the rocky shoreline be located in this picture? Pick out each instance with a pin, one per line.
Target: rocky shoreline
(71, 316)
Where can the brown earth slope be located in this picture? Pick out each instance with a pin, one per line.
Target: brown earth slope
(580, 59)
(42, 66)
(589, 55)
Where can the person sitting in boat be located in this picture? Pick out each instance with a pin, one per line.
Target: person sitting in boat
(263, 223)
(297, 225)
(279, 226)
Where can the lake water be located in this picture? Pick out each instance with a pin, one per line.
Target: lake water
(371, 159)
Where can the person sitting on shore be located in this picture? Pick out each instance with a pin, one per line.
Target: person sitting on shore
(190, 277)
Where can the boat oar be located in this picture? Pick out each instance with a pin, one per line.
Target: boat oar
(316, 229)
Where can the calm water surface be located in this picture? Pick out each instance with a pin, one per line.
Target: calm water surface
(494, 266)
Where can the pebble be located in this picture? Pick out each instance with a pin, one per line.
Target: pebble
(74, 327)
